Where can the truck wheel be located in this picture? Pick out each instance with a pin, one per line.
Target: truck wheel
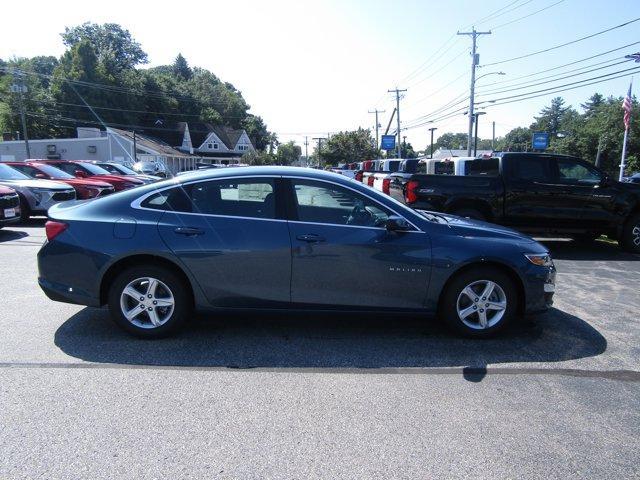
(630, 240)
(470, 213)
(149, 301)
(479, 302)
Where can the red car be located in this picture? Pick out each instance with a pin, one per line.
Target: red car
(86, 169)
(9, 206)
(85, 187)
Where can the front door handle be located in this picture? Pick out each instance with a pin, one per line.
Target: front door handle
(189, 231)
(310, 238)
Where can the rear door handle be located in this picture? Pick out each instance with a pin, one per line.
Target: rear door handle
(189, 231)
(310, 238)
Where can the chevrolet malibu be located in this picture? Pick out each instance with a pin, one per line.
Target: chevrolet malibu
(285, 238)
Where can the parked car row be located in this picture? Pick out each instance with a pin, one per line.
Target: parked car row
(39, 184)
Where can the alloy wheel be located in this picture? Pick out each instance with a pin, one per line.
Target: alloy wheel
(635, 234)
(481, 304)
(147, 302)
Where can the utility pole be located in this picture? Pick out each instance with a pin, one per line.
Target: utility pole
(320, 140)
(20, 88)
(493, 136)
(432, 129)
(306, 150)
(475, 59)
(397, 91)
(376, 111)
(135, 148)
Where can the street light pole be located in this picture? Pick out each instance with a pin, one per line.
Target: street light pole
(475, 142)
(432, 129)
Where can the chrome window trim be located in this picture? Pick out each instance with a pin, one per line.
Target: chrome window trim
(136, 204)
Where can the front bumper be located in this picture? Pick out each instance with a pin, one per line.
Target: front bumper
(540, 289)
(45, 199)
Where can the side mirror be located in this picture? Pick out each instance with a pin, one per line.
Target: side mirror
(80, 174)
(397, 224)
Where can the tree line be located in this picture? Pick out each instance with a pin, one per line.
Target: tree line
(102, 67)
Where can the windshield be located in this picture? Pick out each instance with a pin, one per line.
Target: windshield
(8, 173)
(54, 172)
(94, 169)
(117, 168)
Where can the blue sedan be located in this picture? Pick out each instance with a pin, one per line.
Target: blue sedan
(285, 238)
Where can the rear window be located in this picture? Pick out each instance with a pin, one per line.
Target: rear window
(443, 168)
(482, 167)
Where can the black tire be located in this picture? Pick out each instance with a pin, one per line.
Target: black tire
(470, 213)
(25, 210)
(182, 306)
(448, 310)
(630, 240)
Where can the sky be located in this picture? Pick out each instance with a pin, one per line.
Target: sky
(313, 68)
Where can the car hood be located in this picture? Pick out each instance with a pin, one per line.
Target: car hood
(85, 182)
(118, 178)
(27, 183)
(466, 227)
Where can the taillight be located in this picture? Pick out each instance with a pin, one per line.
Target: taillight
(370, 181)
(358, 176)
(410, 195)
(385, 185)
(53, 229)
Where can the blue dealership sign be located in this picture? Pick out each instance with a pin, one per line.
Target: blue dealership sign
(540, 140)
(388, 142)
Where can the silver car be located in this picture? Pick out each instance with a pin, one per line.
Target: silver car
(36, 196)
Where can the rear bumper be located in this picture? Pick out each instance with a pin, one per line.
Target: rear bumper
(67, 294)
(10, 220)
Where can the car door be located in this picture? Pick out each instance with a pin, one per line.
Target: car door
(591, 199)
(533, 199)
(232, 236)
(342, 254)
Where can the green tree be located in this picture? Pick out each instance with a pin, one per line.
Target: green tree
(517, 140)
(113, 44)
(451, 141)
(288, 153)
(258, 158)
(347, 147)
(553, 117)
(180, 68)
(592, 105)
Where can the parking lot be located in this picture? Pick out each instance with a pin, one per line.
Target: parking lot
(323, 396)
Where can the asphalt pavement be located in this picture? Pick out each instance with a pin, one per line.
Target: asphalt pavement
(323, 396)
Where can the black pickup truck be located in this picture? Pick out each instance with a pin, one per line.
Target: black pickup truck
(538, 193)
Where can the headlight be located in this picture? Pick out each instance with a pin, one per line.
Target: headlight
(540, 259)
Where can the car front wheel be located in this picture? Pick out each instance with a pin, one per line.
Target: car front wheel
(479, 302)
(631, 234)
(149, 301)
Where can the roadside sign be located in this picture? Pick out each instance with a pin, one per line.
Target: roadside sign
(388, 142)
(540, 140)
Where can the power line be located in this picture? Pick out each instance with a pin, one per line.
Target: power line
(560, 86)
(493, 15)
(529, 84)
(527, 16)
(511, 80)
(563, 44)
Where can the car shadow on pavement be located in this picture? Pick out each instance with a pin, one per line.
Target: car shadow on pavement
(9, 233)
(598, 250)
(328, 341)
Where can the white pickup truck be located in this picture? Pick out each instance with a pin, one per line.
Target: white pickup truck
(381, 176)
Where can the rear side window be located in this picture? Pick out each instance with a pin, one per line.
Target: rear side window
(235, 198)
(530, 168)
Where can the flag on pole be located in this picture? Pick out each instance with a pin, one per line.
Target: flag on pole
(626, 106)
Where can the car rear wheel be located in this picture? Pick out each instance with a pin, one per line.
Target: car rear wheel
(149, 301)
(479, 302)
(630, 240)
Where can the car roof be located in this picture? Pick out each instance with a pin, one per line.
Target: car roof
(260, 170)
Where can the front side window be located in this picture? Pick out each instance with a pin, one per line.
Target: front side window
(320, 202)
(573, 172)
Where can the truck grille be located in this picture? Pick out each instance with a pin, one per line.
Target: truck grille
(62, 196)
(9, 201)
